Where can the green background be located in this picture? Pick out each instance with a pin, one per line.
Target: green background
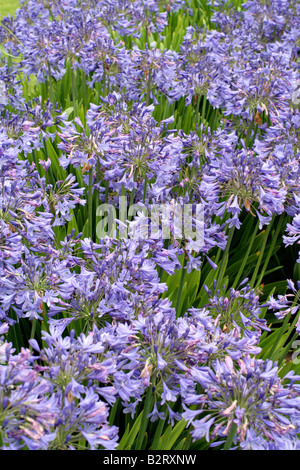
(8, 7)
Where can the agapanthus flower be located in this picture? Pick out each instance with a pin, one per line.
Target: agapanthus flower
(249, 395)
(62, 198)
(68, 363)
(103, 60)
(237, 307)
(9, 157)
(199, 148)
(26, 287)
(240, 75)
(292, 232)
(116, 282)
(258, 442)
(82, 148)
(129, 18)
(286, 304)
(25, 134)
(124, 145)
(200, 63)
(11, 89)
(264, 85)
(40, 49)
(149, 71)
(240, 180)
(280, 144)
(218, 342)
(268, 19)
(28, 408)
(160, 351)
(44, 116)
(21, 204)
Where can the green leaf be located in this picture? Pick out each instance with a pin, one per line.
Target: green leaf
(69, 110)
(59, 173)
(129, 436)
(72, 224)
(85, 230)
(148, 404)
(171, 435)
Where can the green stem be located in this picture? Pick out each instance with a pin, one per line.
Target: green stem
(90, 202)
(34, 158)
(224, 261)
(98, 176)
(158, 432)
(250, 128)
(230, 437)
(106, 191)
(275, 343)
(149, 87)
(146, 37)
(218, 255)
(98, 170)
(74, 94)
(181, 283)
(261, 254)
(245, 259)
(288, 333)
(33, 328)
(203, 108)
(26, 93)
(188, 441)
(271, 249)
(148, 402)
(103, 91)
(86, 92)
(214, 121)
(51, 14)
(113, 412)
(133, 190)
(145, 189)
(50, 84)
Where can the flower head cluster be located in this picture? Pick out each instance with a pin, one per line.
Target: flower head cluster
(100, 327)
(123, 144)
(240, 179)
(11, 92)
(239, 307)
(250, 397)
(49, 407)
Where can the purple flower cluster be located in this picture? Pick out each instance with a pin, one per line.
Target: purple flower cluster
(251, 397)
(50, 407)
(102, 326)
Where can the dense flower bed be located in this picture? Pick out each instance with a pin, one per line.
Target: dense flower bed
(131, 339)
